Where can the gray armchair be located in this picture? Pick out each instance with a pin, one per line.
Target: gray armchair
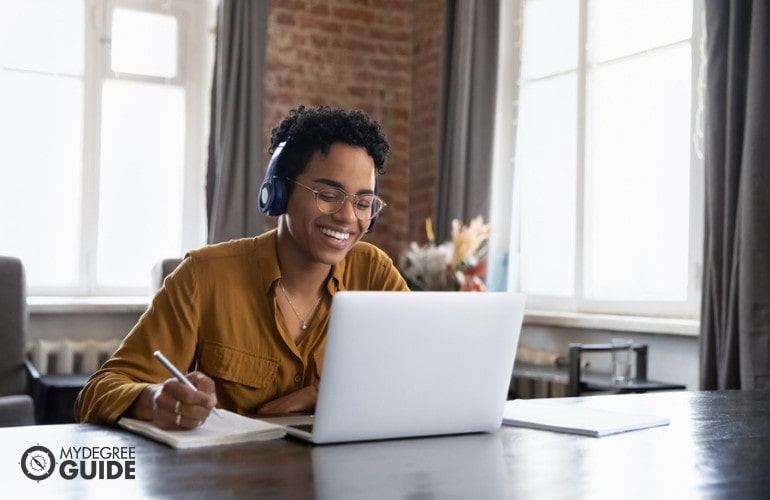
(162, 269)
(16, 405)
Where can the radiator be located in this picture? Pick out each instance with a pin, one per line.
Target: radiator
(68, 356)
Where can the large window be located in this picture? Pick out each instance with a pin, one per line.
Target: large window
(607, 213)
(101, 138)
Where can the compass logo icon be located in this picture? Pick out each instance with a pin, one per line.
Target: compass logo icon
(37, 463)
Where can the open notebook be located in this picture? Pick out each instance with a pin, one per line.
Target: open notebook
(231, 428)
(407, 364)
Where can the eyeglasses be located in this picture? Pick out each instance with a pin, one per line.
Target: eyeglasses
(330, 200)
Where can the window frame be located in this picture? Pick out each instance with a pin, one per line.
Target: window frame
(505, 196)
(194, 62)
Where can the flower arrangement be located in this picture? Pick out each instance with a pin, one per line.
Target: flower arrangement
(456, 265)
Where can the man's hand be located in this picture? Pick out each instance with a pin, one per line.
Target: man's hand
(301, 401)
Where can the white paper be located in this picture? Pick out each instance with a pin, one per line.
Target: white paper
(575, 418)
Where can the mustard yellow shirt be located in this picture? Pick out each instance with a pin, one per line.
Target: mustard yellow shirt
(217, 313)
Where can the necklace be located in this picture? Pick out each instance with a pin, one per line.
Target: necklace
(308, 315)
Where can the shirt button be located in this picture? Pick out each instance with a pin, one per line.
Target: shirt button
(298, 379)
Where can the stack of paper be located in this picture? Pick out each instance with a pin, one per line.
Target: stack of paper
(574, 418)
(231, 428)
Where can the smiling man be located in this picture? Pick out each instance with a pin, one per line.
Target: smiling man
(248, 317)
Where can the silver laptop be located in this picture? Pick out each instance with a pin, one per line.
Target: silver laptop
(408, 364)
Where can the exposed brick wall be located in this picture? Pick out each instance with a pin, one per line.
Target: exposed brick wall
(426, 92)
(380, 56)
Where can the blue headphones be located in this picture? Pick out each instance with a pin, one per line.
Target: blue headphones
(273, 196)
(272, 193)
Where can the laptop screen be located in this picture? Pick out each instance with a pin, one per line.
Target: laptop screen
(401, 364)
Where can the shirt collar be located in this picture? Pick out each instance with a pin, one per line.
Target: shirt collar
(271, 273)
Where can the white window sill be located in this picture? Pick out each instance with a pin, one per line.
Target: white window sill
(86, 305)
(620, 323)
(614, 322)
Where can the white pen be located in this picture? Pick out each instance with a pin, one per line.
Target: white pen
(173, 369)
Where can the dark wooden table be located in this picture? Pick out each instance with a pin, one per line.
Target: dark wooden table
(717, 446)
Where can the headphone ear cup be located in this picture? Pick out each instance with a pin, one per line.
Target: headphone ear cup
(272, 196)
(280, 200)
(272, 192)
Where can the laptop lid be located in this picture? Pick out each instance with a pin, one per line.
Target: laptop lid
(407, 364)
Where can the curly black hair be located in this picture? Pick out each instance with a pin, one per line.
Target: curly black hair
(308, 130)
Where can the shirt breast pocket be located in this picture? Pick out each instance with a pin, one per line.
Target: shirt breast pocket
(232, 365)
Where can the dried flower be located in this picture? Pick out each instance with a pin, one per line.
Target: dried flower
(467, 240)
(453, 265)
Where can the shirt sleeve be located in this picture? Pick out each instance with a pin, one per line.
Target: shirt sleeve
(170, 325)
(367, 267)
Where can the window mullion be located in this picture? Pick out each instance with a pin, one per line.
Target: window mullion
(580, 153)
(697, 174)
(196, 52)
(96, 43)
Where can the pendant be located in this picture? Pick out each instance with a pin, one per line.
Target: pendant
(303, 327)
